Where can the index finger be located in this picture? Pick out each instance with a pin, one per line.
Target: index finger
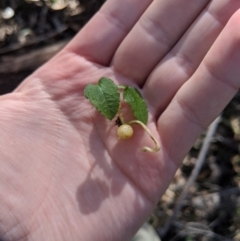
(100, 38)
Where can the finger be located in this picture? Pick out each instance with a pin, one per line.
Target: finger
(99, 39)
(178, 66)
(154, 35)
(200, 100)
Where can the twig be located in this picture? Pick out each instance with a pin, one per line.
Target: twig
(30, 60)
(195, 233)
(38, 40)
(194, 174)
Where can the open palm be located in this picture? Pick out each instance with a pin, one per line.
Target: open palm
(64, 175)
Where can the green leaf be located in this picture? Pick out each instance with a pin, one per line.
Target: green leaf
(105, 97)
(138, 105)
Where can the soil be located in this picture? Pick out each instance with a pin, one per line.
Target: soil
(211, 210)
(35, 32)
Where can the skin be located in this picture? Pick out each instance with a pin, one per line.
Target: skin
(64, 175)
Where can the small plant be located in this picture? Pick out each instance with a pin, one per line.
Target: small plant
(105, 97)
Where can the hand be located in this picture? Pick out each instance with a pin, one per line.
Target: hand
(64, 175)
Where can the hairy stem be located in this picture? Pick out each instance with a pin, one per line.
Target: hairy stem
(120, 115)
(146, 148)
(121, 87)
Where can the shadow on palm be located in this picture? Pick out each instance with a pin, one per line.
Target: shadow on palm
(114, 164)
(117, 161)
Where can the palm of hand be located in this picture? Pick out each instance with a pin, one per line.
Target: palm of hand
(68, 172)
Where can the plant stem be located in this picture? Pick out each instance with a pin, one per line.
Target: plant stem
(145, 148)
(121, 87)
(120, 115)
